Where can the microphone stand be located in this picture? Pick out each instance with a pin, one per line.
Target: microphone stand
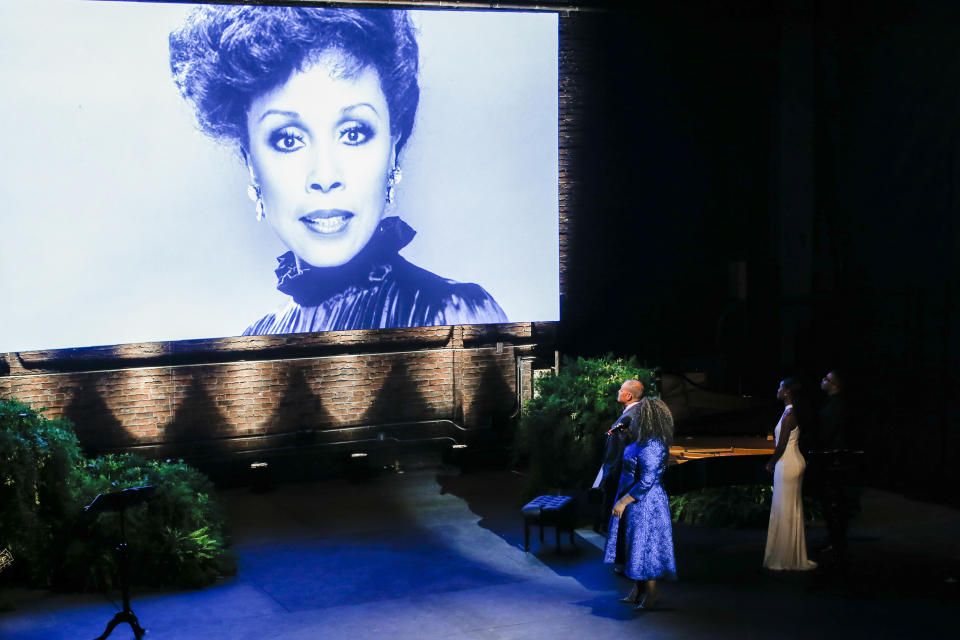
(120, 501)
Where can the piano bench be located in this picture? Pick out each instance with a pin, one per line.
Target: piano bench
(558, 512)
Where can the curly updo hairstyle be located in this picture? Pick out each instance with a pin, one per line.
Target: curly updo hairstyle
(223, 57)
(654, 421)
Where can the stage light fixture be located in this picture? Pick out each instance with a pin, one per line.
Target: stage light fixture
(359, 467)
(456, 455)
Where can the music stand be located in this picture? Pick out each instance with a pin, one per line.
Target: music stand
(121, 501)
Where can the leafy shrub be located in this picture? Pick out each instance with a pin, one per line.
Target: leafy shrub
(177, 538)
(734, 506)
(38, 484)
(561, 433)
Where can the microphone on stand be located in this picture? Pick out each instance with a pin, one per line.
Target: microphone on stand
(622, 425)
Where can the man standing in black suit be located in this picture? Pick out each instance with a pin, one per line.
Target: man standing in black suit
(622, 433)
(831, 443)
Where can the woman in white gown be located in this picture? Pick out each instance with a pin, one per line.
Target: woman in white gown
(786, 543)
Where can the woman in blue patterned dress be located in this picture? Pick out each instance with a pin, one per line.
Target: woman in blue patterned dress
(641, 534)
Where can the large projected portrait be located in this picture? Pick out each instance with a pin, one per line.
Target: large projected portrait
(191, 171)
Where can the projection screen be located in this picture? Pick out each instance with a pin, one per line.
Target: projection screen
(125, 221)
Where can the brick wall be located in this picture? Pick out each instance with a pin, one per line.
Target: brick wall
(211, 397)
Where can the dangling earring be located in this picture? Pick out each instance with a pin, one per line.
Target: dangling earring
(392, 181)
(253, 192)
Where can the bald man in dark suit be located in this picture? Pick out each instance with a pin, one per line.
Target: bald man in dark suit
(622, 433)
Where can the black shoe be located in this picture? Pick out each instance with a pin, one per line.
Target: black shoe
(647, 602)
(633, 597)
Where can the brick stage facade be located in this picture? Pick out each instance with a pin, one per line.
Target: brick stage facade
(266, 392)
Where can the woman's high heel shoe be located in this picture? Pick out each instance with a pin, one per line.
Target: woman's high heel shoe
(647, 602)
(633, 597)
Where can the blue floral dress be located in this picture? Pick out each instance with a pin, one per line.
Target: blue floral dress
(643, 539)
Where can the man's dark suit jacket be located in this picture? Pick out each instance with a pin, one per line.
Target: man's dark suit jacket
(613, 458)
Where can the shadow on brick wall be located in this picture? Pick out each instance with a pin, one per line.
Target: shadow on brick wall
(198, 424)
(495, 400)
(399, 400)
(300, 410)
(97, 428)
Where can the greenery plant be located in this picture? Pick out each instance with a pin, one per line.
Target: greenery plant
(178, 538)
(733, 506)
(38, 487)
(560, 436)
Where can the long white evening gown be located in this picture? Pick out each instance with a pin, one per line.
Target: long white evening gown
(786, 542)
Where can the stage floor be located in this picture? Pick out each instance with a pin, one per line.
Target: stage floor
(434, 554)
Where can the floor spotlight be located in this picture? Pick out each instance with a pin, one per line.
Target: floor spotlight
(456, 455)
(260, 477)
(358, 467)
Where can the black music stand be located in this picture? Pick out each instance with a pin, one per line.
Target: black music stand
(121, 501)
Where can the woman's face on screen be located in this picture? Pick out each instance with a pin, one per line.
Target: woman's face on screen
(320, 150)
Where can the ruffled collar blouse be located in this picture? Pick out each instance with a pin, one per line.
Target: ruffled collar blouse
(377, 289)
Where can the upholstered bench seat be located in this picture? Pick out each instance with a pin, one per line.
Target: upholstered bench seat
(549, 511)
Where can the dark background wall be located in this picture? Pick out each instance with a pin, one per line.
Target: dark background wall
(772, 189)
(676, 180)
